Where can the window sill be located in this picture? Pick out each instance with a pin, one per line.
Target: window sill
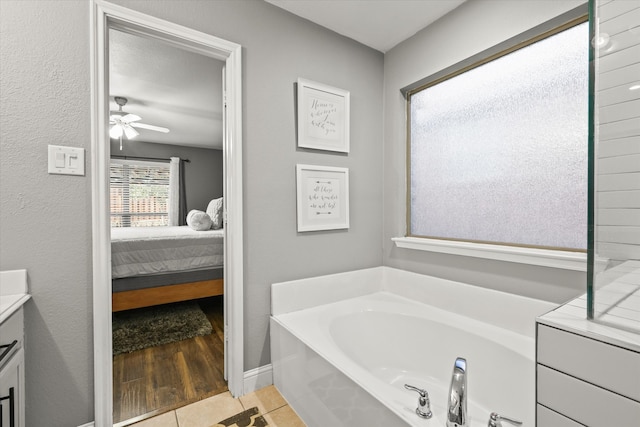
(576, 261)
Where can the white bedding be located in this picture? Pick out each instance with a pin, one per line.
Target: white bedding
(137, 251)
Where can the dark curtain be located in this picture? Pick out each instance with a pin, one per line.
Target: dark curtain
(182, 203)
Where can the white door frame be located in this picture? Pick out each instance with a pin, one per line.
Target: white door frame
(104, 16)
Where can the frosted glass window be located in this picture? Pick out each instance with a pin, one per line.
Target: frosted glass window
(498, 153)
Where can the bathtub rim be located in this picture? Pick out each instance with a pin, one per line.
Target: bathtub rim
(449, 295)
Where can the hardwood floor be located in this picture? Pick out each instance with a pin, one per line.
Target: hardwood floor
(155, 380)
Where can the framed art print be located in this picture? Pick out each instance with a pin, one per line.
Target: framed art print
(322, 197)
(323, 117)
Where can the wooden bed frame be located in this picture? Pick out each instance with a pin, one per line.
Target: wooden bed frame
(166, 294)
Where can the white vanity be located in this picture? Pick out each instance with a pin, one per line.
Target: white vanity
(588, 372)
(13, 295)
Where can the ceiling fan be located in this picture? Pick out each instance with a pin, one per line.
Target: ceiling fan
(124, 123)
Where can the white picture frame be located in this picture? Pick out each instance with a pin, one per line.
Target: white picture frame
(322, 197)
(323, 116)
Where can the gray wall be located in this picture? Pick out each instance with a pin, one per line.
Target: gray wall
(202, 175)
(467, 30)
(45, 220)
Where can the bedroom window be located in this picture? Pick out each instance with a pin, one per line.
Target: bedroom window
(139, 193)
(498, 149)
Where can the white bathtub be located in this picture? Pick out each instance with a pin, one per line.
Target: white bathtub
(343, 346)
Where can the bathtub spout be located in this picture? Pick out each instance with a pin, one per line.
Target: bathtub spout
(457, 405)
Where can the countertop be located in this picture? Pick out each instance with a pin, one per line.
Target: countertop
(13, 292)
(572, 317)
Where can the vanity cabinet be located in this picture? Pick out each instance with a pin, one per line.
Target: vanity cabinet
(12, 411)
(583, 381)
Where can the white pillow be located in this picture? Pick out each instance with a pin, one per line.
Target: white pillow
(214, 210)
(199, 220)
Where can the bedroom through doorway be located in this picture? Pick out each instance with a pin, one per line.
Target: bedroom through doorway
(166, 185)
(105, 17)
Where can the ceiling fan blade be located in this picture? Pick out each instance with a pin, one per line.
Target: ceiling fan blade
(131, 118)
(130, 132)
(150, 127)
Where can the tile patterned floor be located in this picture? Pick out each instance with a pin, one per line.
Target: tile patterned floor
(210, 411)
(617, 298)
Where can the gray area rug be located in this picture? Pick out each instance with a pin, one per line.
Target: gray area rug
(152, 326)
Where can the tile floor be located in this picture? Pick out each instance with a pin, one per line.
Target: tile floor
(210, 411)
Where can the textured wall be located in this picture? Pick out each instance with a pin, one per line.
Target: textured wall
(473, 27)
(46, 219)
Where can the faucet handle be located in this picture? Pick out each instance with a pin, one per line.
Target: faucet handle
(424, 406)
(495, 420)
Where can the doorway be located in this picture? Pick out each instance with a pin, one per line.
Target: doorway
(107, 17)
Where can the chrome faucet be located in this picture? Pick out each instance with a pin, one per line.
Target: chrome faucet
(495, 420)
(457, 406)
(424, 406)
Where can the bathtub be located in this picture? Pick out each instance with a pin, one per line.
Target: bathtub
(343, 346)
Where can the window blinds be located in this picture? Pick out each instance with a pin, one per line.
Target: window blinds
(139, 193)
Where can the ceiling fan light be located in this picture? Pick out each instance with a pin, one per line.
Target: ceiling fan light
(130, 132)
(115, 131)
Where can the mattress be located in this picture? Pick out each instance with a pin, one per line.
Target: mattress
(165, 279)
(137, 251)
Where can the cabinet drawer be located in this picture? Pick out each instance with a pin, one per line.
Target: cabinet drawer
(12, 391)
(618, 368)
(545, 417)
(584, 402)
(11, 330)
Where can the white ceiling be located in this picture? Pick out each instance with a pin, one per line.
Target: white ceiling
(182, 91)
(380, 24)
(169, 87)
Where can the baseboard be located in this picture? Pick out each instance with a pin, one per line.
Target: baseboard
(91, 424)
(258, 378)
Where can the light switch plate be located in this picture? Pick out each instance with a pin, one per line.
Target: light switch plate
(66, 160)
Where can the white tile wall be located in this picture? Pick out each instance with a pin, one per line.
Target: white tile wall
(617, 298)
(618, 131)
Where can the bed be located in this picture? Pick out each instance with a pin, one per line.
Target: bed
(159, 265)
